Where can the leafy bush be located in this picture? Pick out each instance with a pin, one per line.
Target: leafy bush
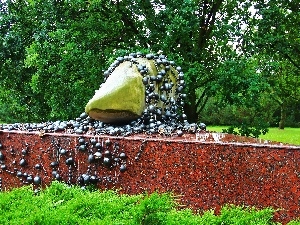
(62, 204)
(250, 121)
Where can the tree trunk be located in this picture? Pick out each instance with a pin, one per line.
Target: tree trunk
(190, 108)
(282, 115)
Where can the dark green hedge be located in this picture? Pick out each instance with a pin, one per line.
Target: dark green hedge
(62, 204)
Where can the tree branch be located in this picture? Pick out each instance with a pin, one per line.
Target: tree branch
(127, 19)
(207, 21)
(291, 60)
(200, 99)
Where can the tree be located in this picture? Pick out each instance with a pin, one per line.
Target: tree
(54, 53)
(61, 35)
(14, 95)
(195, 35)
(284, 86)
(225, 48)
(272, 36)
(69, 59)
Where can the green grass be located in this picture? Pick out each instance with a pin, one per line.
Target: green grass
(288, 135)
(61, 204)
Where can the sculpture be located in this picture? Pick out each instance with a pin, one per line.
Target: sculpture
(144, 87)
(141, 94)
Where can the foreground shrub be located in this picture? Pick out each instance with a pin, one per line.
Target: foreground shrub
(62, 204)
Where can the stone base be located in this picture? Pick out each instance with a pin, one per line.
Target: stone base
(207, 171)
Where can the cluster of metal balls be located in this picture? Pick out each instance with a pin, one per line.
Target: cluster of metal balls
(164, 98)
(24, 177)
(163, 113)
(99, 153)
(107, 154)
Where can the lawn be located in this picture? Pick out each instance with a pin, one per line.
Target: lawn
(288, 135)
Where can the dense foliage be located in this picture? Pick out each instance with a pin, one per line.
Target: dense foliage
(61, 204)
(239, 54)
